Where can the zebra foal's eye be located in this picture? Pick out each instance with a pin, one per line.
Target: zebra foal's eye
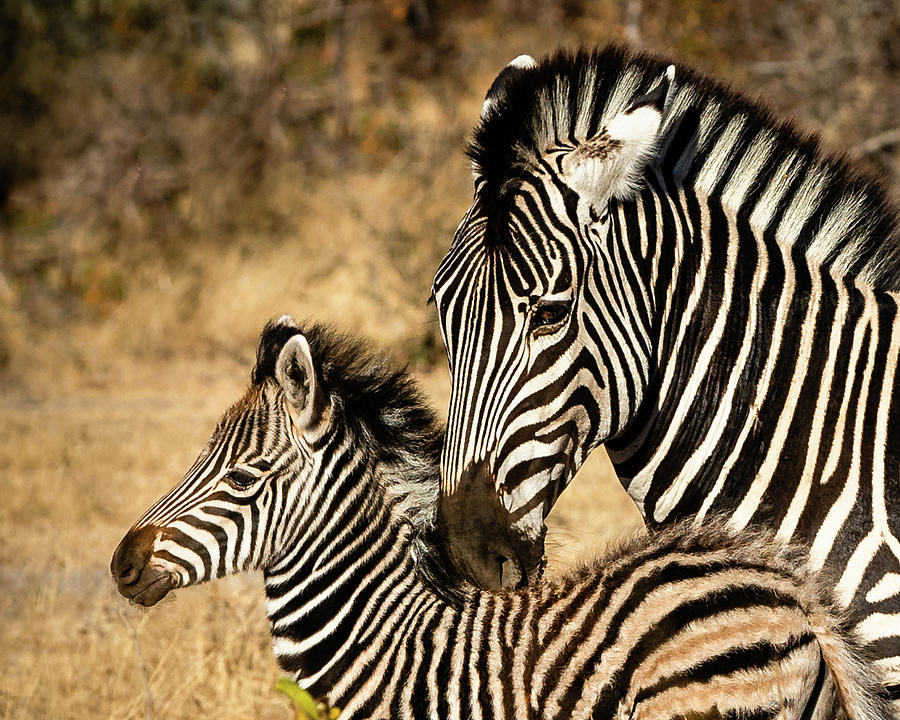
(240, 479)
(547, 316)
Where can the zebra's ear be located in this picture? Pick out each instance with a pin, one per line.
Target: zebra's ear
(610, 164)
(498, 88)
(296, 374)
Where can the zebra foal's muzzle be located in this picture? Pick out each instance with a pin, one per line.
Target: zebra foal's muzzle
(475, 526)
(136, 579)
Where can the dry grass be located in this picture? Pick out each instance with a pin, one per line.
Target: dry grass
(79, 469)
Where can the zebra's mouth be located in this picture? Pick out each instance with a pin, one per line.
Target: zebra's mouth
(137, 578)
(150, 587)
(526, 568)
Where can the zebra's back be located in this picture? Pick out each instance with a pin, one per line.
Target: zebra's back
(685, 624)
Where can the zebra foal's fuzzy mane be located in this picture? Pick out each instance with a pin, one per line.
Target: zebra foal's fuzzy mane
(379, 404)
(708, 129)
(756, 546)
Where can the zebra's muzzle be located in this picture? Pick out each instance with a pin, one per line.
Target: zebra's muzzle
(136, 579)
(152, 587)
(475, 526)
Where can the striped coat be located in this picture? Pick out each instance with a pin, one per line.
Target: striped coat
(324, 476)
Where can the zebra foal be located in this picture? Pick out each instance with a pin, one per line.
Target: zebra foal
(324, 476)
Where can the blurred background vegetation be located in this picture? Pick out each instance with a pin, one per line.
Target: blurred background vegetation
(174, 174)
(171, 172)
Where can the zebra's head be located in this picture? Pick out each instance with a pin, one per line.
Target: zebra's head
(543, 314)
(269, 472)
(218, 520)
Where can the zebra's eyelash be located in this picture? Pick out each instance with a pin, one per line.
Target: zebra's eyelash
(240, 478)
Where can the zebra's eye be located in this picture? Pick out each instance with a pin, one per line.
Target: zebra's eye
(240, 479)
(548, 316)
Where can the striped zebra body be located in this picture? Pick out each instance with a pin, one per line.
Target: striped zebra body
(678, 277)
(325, 477)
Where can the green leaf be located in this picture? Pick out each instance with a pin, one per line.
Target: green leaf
(304, 705)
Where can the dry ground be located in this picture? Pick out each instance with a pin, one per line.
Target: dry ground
(79, 467)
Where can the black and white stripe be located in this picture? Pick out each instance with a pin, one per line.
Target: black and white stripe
(702, 290)
(325, 477)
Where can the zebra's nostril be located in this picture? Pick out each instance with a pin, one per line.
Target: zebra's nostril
(131, 556)
(128, 574)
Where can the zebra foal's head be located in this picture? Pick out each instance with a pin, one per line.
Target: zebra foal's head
(269, 472)
(221, 517)
(558, 148)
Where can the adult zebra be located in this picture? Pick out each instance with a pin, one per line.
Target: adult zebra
(651, 262)
(325, 476)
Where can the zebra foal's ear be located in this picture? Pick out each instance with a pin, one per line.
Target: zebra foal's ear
(296, 374)
(609, 165)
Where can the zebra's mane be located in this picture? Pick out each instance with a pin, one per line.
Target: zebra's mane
(380, 405)
(756, 545)
(709, 129)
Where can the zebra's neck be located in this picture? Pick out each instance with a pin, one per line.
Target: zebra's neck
(711, 434)
(351, 573)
